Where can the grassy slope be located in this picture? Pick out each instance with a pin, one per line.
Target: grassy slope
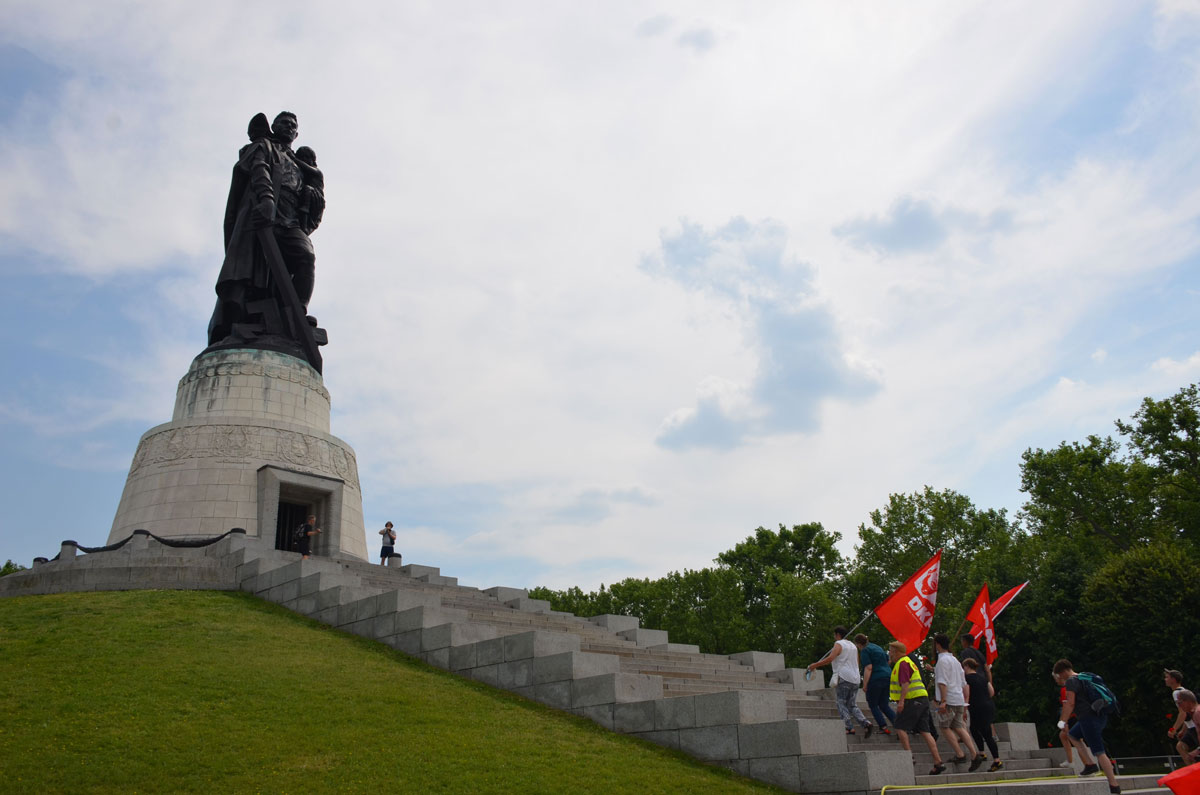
(154, 691)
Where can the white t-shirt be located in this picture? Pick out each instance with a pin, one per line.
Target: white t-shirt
(1175, 695)
(845, 665)
(949, 672)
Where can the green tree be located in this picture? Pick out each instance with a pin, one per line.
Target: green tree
(1090, 490)
(1140, 610)
(1165, 436)
(9, 567)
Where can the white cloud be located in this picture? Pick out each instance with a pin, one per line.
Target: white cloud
(495, 177)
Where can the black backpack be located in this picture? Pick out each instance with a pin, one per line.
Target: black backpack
(1103, 700)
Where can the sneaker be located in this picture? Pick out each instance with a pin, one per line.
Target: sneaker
(1089, 770)
(867, 729)
(938, 768)
(849, 731)
(885, 730)
(1114, 790)
(976, 762)
(958, 760)
(1065, 764)
(995, 766)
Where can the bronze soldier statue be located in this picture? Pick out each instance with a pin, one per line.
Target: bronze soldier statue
(276, 200)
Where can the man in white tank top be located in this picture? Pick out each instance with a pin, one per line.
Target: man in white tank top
(843, 657)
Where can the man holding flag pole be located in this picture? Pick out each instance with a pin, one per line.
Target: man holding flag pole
(908, 614)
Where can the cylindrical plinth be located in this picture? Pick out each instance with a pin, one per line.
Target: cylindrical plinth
(249, 442)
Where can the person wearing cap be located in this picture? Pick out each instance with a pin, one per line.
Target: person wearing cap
(388, 548)
(912, 703)
(1184, 730)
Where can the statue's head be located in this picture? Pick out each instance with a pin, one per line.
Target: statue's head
(259, 127)
(285, 127)
(305, 154)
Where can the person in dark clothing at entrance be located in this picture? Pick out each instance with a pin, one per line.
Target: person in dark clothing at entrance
(304, 534)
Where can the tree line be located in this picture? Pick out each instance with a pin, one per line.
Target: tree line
(1109, 538)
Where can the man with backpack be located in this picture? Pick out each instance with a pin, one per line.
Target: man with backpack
(304, 534)
(1092, 702)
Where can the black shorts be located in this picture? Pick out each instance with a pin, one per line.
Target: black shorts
(1189, 739)
(915, 717)
(387, 552)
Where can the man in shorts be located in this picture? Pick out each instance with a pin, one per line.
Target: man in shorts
(1089, 724)
(912, 703)
(952, 703)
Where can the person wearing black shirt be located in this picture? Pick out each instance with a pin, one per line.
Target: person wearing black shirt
(982, 710)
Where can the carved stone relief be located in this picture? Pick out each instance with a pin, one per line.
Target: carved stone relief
(300, 450)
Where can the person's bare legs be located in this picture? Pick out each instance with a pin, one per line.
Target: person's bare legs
(1085, 755)
(903, 736)
(1107, 766)
(967, 741)
(932, 743)
(1068, 745)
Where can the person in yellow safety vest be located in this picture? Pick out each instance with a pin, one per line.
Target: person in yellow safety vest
(912, 703)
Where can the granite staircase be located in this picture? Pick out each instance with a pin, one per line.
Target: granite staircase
(743, 711)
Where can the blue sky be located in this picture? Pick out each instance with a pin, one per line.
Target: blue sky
(609, 285)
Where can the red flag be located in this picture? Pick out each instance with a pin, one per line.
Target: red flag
(908, 612)
(980, 616)
(994, 611)
(998, 606)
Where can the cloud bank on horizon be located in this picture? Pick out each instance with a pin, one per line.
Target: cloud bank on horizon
(608, 286)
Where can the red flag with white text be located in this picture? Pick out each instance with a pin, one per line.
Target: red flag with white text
(997, 607)
(980, 616)
(908, 612)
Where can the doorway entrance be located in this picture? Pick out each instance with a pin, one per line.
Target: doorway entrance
(291, 515)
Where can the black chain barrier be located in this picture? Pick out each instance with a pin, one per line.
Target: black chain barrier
(170, 542)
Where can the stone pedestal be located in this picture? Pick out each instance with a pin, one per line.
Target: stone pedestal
(249, 437)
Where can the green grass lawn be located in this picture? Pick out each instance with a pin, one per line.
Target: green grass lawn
(176, 691)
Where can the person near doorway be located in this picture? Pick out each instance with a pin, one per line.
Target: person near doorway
(389, 544)
(304, 534)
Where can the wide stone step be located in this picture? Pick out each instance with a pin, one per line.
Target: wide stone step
(953, 776)
(1060, 786)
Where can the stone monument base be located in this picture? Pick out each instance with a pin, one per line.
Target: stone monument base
(248, 446)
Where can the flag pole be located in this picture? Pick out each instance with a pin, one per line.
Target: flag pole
(958, 633)
(866, 615)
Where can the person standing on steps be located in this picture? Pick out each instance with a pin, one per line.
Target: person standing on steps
(912, 703)
(952, 703)
(982, 710)
(1089, 724)
(388, 549)
(843, 658)
(877, 677)
(304, 534)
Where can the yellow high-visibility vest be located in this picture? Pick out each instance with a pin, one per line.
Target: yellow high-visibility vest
(916, 686)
